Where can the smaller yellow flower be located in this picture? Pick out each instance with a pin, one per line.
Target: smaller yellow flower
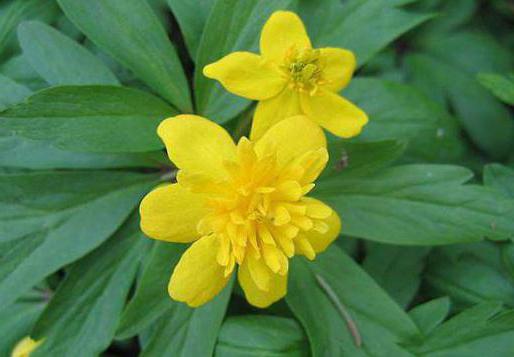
(25, 347)
(241, 205)
(291, 78)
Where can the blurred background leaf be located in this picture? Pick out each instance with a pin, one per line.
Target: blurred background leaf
(130, 32)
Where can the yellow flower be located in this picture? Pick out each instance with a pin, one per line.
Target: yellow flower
(240, 205)
(291, 78)
(25, 347)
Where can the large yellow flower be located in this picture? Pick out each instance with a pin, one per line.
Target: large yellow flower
(240, 205)
(291, 78)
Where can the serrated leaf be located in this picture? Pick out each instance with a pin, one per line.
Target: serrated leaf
(480, 331)
(251, 335)
(51, 219)
(233, 25)
(82, 316)
(90, 118)
(130, 32)
(59, 59)
(419, 205)
(191, 16)
(184, 331)
(379, 322)
(348, 25)
(429, 315)
(396, 269)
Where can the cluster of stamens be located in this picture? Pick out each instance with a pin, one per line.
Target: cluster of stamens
(259, 210)
(304, 69)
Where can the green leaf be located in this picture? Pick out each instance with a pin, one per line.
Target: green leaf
(191, 17)
(16, 321)
(261, 335)
(361, 159)
(429, 315)
(19, 70)
(353, 25)
(345, 289)
(19, 10)
(50, 219)
(92, 296)
(20, 152)
(480, 331)
(233, 25)
(418, 205)
(59, 59)
(472, 273)
(501, 86)
(397, 111)
(401, 112)
(174, 328)
(396, 269)
(450, 15)
(151, 299)
(130, 32)
(500, 178)
(185, 332)
(11, 92)
(90, 118)
(452, 62)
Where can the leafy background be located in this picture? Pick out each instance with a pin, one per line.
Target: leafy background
(425, 265)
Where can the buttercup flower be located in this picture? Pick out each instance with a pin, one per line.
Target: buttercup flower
(291, 78)
(241, 205)
(25, 347)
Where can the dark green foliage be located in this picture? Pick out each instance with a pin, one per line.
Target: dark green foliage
(425, 262)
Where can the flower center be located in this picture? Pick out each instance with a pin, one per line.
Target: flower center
(259, 211)
(304, 69)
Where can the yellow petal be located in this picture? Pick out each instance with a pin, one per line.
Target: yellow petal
(288, 191)
(313, 164)
(259, 272)
(25, 347)
(197, 145)
(292, 137)
(277, 287)
(247, 75)
(171, 213)
(271, 111)
(320, 241)
(198, 277)
(316, 209)
(338, 67)
(334, 113)
(304, 247)
(283, 30)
